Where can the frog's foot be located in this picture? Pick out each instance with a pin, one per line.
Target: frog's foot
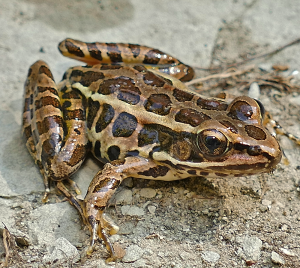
(45, 196)
(102, 228)
(74, 186)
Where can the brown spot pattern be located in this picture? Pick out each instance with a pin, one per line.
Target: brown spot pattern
(114, 53)
(26, 105)
(153, 80)
(182, 96)
(147, 135)
(158, 104)
(254, 150)
(135, 49)
(211, 104)
(106, 184)
(191, 117)
(124, 125)
(128, 92)
(93, 108)
(230, 126)
(97, 149)
(113, 152)
(105, 117)
(45, 70)
(71, 95)
(89, 77)
(27, 132)
(158, 171)
(77, 155)
(152, 57)
(123, 83)
(44, 89)
(192, 172)
(110, 67)
(140, 68)
(221, 174)
(73, 49)
(94, 51)
(255, 132)
(48, 147)
(181, 150)
(241, 110)
(48, 123)
(77, 114)
(48, 100)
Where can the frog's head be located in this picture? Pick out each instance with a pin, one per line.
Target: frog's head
(228, 141)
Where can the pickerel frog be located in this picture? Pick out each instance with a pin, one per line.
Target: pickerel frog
(129, 109)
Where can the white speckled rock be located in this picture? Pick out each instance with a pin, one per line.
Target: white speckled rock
(62, 249)
(133, 253)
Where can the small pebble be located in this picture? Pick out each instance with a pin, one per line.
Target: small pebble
(210, 256)
(152, 209)
(266, 202)
(205, 211)
(287, 252)
(62, 249)
(124, 197)
(148, 192)
(128, 182)
(254, 91)
(133, 253)
(132, 211)
(251, 247)
(295, 100)
(276, 258)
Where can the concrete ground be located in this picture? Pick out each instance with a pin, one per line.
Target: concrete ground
(191, 223)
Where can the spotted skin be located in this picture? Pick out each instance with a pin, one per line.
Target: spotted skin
(139, 123)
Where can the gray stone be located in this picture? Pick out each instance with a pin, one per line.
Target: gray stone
(148, 192)
(132, 211)
(124, 197)
(133, 253)
(254, 91)
(62, 249)
(210, 256)
(152, 209)
(287, 252)
(251, 247)
(50, 221)
(295, 100)
(276, 258)
(128, 182)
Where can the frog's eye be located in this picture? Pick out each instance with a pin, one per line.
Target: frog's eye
(212, 142)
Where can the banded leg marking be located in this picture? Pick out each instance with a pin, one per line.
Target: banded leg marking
(95, 53)
(53, 125)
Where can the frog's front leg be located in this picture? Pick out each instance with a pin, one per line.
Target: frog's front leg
(54, 126)
(101, 189)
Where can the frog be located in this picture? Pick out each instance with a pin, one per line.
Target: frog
(130, 108)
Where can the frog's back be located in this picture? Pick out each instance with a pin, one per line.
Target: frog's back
(133, 112)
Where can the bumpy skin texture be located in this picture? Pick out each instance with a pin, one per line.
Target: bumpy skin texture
(139, 123)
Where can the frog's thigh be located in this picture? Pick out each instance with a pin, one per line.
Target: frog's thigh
(55, 132)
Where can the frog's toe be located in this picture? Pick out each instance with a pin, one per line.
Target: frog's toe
(109, 226)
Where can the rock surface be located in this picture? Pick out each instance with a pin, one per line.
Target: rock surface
(171, 224)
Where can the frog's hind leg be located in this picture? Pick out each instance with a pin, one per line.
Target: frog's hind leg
(53, 125)
(103, 186)
(119, 53)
